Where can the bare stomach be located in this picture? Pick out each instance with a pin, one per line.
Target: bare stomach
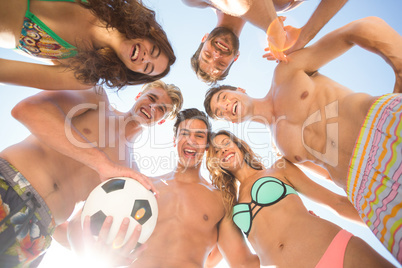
(55, 177)
(296, 241)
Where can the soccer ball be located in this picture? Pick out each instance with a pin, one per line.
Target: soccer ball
(121, 197)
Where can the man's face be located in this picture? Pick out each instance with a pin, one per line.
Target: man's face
(220, 49)
(152, 106)
(230, 105)
(191, 141)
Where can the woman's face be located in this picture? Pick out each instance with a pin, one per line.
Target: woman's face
(227, 153)
(143, 56)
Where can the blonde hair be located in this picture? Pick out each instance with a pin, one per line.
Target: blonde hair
(172, 91)
(223, 179)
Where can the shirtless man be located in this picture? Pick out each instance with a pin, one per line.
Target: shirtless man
(323, 120)
(220, 48)
(77, 141)
(191, 213)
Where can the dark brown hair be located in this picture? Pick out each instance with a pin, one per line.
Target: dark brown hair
(192, 113)
(134, 20)
(210, 93)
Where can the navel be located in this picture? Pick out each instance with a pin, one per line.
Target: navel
(205, 217)
(304, 95)
(55, 187)
(86, 131)
(298, 158)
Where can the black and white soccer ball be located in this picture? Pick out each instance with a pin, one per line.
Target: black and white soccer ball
(121, 197)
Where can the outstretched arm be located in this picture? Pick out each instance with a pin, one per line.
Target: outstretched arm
(48, 116)
(233, 247)
(317, 193)
(324, 12)
(371, 33)
(48, 77)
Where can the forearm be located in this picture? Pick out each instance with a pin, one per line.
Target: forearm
(324, 12)
(48, 77)
(375, 35)
(261, 13)
(345, 209)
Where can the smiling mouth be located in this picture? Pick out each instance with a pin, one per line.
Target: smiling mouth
(234, 108)
(136, 52)
(142, 110)
(189, 152)
(222, 46)
(227, 158)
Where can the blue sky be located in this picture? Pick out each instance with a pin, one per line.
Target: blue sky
(357, 69)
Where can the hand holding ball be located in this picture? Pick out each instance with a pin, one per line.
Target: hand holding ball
(121, 197)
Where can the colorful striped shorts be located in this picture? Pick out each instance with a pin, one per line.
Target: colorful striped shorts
(26, 223)
(375, 172)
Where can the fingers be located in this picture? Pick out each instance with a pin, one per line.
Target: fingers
(104, 231)
(132, 242)
(121, 234)
(87, 234)
(145, 181)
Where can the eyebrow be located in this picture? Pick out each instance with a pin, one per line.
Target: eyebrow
(159, 52)
(152, 68)
(154, 96)
(217, 100)
(197, 131)
(205, 61)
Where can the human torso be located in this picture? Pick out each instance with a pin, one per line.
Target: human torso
(285, 233)
(187, 226)
(316, 119)
(68, 21)
(60, 180)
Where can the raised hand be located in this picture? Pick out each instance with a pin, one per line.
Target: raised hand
(281, 39)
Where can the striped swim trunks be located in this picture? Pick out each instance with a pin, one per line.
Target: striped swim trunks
(375, 172)
(26, 223)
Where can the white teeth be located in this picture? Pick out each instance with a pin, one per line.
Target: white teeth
(221, 46)
(136, 52)
(145, 112)
(228, 157)
(189, 151)
(234, 108)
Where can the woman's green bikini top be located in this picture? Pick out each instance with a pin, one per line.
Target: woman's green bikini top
(265, 191)
(38, 40)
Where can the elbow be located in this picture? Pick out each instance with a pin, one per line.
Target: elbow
(369, 24)
(27, 109)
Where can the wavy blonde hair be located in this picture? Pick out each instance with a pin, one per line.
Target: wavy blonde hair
(172, 91)
(223, 179)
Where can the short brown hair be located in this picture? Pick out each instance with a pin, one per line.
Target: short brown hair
(210, 93)
(195, 62)
(203, 76)
(192, 113)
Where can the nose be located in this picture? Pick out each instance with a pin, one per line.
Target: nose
(145, 58)
(224, 105)
(216, 54)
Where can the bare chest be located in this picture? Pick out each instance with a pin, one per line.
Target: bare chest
(189, 206)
